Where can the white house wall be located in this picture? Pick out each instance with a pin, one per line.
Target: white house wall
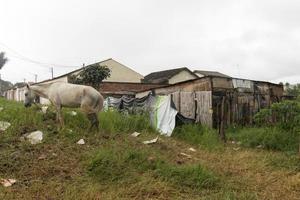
(182, 76)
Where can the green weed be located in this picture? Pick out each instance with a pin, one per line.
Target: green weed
(120, 166)
(269, 138)
(198, 135)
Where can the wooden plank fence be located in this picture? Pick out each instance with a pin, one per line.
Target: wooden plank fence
(195, 105)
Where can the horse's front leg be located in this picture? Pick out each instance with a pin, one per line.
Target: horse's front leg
(59, 115)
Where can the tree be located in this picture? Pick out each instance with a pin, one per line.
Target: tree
(293, 90)
(92, 75)
(3, 60)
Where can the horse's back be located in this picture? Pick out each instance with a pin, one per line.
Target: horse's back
(73, 95)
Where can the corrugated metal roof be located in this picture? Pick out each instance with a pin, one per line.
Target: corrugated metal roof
(164, 76)
(211, 73)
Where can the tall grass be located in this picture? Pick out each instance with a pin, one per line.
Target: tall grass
(198, 135)
(272, 138)
(114, 121)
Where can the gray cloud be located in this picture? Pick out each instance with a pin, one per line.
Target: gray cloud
(252, 39)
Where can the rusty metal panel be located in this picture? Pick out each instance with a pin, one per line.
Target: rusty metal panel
(204, 107)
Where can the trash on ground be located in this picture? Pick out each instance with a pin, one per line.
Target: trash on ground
(151, 141)
(135, 134)
(259, 146)
(186, 155)
(81, 141)
(42, 157)
(236, 149)
(192, 149)
(44, 109)
(233, 142)
(4, 125)
(179, 162)
(7, 182)
(35, 137)
(151, 159)
(73, 113)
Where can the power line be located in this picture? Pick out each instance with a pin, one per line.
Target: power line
(24, 58)
(51, 72)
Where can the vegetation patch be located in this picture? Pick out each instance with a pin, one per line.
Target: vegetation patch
(267, 138)
(121, 166)
(283, 161)
(114, 165)
(115, 122)
(198, 135)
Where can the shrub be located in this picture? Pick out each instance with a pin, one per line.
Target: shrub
(285, 114)
(263, 117)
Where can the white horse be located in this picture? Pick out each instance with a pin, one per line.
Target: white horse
(63, 94)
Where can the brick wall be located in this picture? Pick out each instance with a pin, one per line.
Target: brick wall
(124, 88)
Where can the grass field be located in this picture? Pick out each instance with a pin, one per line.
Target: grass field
(114, 165)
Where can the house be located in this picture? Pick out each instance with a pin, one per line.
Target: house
(202, 73)
(210, 100)
(170, 76)
(119, 73)
(123, 81)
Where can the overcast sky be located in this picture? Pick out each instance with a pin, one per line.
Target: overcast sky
(255, 39)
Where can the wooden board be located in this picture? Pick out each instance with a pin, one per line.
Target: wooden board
(187, 104)
(204, 107)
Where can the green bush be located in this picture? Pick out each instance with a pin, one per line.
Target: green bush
(263, 117)
(285, 114)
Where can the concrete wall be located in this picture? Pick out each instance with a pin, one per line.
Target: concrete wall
(119, 72)
(182, 76)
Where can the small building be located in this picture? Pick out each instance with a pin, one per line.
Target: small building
(171, 76)
(205, 99)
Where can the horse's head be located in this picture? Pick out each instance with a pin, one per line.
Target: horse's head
(29, 96)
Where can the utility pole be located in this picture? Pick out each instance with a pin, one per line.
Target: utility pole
(1, 87)
(35, 78)
(51, 72)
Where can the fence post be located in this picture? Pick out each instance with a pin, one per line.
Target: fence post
(222, 126)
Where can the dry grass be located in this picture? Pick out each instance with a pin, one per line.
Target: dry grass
(59, 168)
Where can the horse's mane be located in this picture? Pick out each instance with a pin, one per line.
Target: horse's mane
(46, 84)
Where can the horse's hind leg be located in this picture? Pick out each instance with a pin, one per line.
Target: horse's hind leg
(93, 118)
(96, 121)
